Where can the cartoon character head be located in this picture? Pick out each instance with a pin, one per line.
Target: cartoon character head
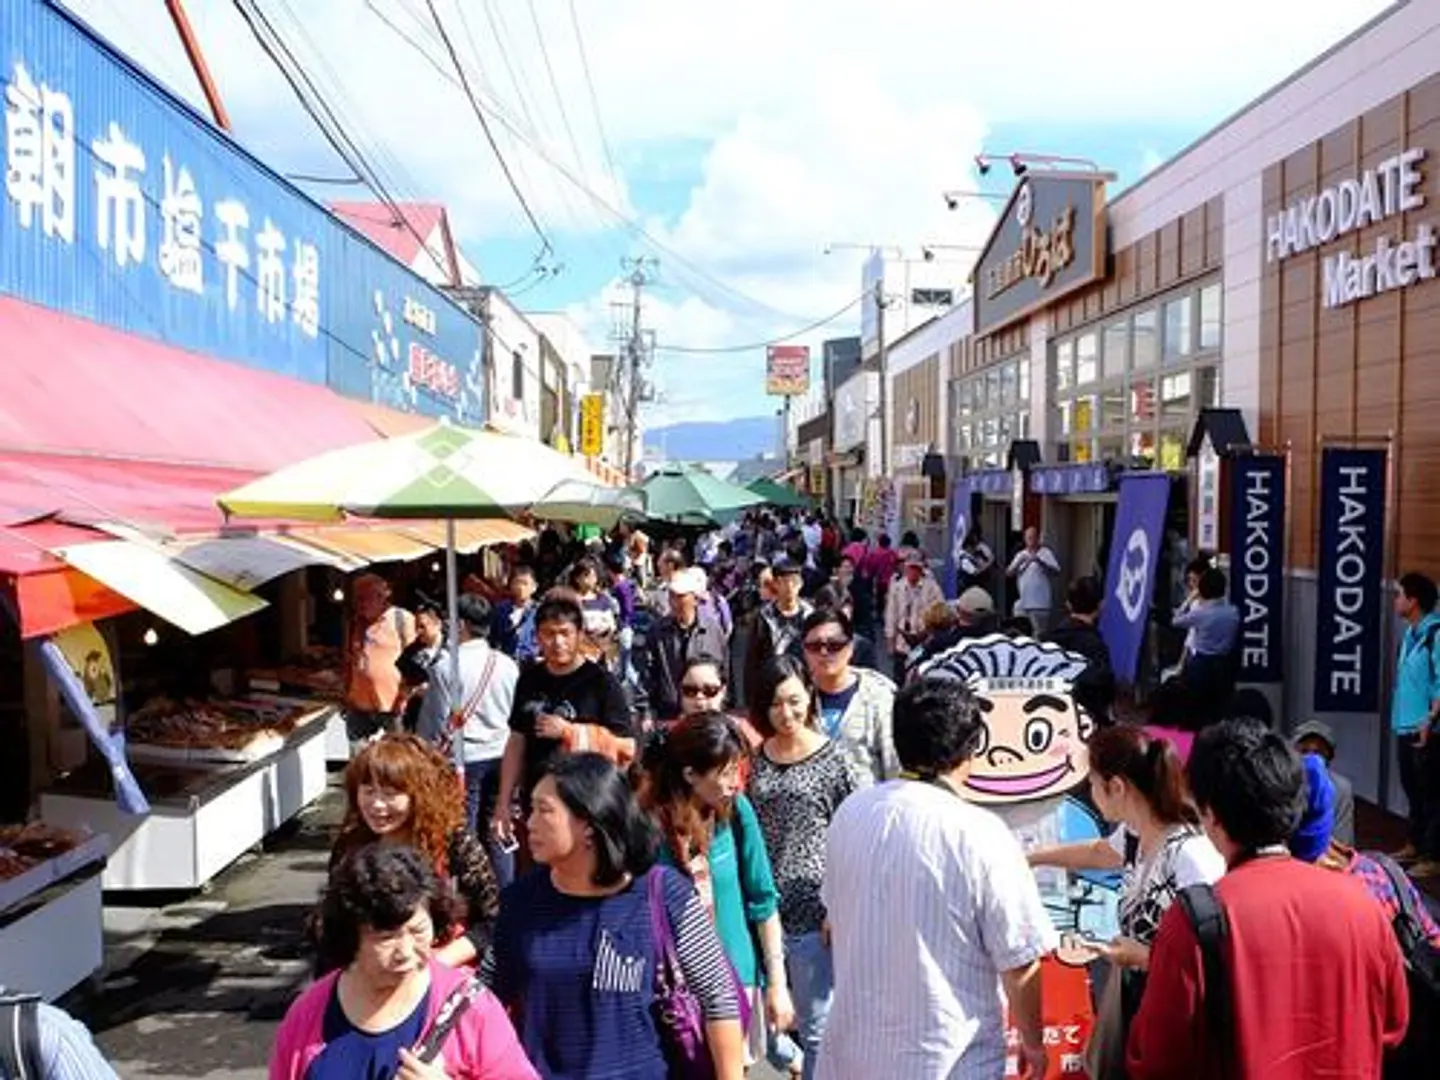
(1034, 742)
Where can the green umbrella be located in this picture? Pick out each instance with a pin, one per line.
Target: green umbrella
(687, 496)
(777, 494)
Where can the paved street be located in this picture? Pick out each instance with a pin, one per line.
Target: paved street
(196, 988)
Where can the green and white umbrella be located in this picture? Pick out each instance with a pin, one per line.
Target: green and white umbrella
(689, 496)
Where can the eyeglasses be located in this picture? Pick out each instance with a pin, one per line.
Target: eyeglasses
(829, 646)
(708, 690)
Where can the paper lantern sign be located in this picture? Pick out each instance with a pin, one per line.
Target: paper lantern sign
(1034, 744)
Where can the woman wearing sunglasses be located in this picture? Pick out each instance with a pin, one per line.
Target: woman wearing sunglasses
(854, 703)
(799, 780)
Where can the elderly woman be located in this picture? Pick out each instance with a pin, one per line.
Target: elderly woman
(373, 1016)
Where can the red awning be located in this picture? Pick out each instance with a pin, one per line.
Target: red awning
(48, 595)
(73, 386)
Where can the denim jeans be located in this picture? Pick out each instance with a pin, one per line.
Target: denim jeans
(812, 986)
(482, 789)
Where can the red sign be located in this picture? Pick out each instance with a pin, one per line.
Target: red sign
(1069, 1018)
(431, 373)
(787, 370)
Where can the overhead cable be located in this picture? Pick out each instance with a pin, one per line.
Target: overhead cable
(753, 346)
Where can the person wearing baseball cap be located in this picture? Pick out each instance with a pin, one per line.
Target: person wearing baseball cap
(686, 633)
(1316, 738)
(911, 596)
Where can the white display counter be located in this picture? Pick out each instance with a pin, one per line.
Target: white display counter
(201, 819)
(337, 740)
(51, 932)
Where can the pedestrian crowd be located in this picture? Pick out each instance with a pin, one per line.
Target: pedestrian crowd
(670, 823)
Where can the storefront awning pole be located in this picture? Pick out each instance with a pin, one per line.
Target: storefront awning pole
(127, 789)
(452, 602)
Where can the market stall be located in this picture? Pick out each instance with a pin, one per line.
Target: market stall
(220, 776)
(50, 930)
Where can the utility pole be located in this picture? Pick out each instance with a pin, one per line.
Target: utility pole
(884, 365)
(633, 389)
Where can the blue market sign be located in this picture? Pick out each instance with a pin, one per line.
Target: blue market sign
(992, 481)
(123, 206)
(1076, 479)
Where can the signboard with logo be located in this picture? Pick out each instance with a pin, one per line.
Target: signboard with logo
(851, 410)
(1371, 197)
(1257, 572)
(1087, 479)
(1050, 241)
(1207, 496)
(958, 563)
(1351, 561)
(787, 370)
(592, 425)
(124, 207)
(1130, 577)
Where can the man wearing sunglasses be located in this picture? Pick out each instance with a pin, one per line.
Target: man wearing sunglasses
(854, 703)
(676, 639)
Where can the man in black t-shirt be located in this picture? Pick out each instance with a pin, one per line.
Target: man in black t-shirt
(563, 704)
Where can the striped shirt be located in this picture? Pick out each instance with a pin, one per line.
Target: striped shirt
(66, 1050)
(581, 971)
(929, 899)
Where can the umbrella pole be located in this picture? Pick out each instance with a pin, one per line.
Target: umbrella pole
(452, 612)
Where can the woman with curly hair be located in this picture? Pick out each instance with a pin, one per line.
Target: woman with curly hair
(690, 786)
(401, 790)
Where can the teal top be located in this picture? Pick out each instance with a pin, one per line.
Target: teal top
(1417, 677)
(742, 886)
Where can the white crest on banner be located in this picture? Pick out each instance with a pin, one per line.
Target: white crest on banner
(1134, 569)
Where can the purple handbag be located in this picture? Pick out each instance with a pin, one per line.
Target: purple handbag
(677, 1010)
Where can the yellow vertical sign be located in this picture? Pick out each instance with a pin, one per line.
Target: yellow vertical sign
(592, 424)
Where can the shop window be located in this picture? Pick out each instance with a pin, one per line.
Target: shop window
(1177, 328)
(1116, 353)
(1084, 414)
(990, 432)
(1082, 451)
(1143, 344)
(1087, 367)
(992, 388)
(1022, 425)
(977, 394)
(1110, 448)
(1175, 396)
(1142, 401)
(1065, 411)
(1064, 365)
(1172, 450)
(1024, 369)
(967, 438)
(1142, 449)
(1112, 408)
(1009, 384)
(1207, 387)
(1004, 433)
(517, 377)
(1210, 316)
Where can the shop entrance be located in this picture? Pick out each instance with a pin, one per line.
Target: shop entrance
(1078, 529)
(1004, 542)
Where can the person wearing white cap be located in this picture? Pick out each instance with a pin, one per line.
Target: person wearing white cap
(911, 596)
(683, 635)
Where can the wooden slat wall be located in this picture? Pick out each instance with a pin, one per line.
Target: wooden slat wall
(921, 383)
(1367, 368)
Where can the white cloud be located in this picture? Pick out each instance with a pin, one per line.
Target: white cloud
(822, 120)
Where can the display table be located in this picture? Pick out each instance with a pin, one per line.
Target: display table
(51, 933)
(202, 818)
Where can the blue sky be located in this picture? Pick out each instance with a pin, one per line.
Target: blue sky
(744, 137)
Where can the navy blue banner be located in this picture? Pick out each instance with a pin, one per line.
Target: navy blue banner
(1130, 578)
(993, 481)
(1082, 479)
(1352, 561)
(1257, 564)
(960, 521)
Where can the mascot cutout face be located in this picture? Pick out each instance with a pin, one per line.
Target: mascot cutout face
(1034, 743)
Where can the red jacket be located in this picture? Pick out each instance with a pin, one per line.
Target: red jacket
(1317, 982)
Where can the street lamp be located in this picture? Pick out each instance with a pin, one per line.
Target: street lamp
(1021, 162)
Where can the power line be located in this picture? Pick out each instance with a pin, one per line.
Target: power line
(545, 245)
(337, 181)
(620, 217)
(555, 88)
(696, 349)
(595, 101)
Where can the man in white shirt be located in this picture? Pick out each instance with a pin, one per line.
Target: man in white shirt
(475, 724)
(1032, 568)
(932, 911)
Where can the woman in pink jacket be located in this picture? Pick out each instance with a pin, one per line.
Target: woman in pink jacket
(392, 1011)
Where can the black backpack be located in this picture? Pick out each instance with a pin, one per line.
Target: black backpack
(20, 1037)
(1212, 930)
(1421, 1047)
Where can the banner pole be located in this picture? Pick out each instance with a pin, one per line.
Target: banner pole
(1287, 597)
(1388, 644)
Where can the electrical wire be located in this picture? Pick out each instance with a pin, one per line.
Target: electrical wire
(697, 349)
(545, 244)
(337, 181)
(555, 87)
(634, 227)
(595, 101)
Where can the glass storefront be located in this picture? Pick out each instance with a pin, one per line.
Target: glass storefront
(1129, 389)
(989, 409)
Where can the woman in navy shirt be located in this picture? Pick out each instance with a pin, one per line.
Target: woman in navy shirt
(574, 954)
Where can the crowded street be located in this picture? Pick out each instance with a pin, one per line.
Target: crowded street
(621, 540)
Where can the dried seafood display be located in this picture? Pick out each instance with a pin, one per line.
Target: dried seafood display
(23, 847)
(317, 669)
(236, 729)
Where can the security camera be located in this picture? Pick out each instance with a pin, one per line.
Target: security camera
(952, 202)
(982, 165)
(1018, 167)
(928, 254)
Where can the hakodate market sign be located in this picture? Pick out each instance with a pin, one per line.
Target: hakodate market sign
(1377, 194)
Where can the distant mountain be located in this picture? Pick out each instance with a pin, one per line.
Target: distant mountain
(718, 440)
